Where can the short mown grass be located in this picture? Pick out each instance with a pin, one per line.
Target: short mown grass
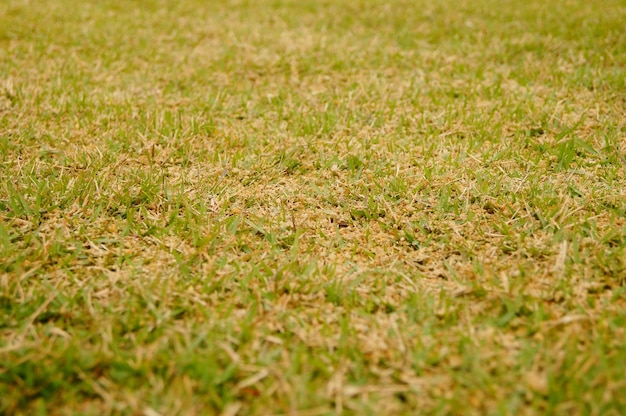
(312, 207)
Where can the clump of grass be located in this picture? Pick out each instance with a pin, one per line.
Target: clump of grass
(312, 207)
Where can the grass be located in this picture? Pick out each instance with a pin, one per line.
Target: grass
(312, 207)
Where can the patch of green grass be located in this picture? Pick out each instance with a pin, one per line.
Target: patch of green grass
(312, 207)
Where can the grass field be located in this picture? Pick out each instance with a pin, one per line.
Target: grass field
(312, 207)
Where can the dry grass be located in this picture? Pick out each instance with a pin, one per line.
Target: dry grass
(312, 207)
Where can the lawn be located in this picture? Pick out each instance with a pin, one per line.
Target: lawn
(312, 207)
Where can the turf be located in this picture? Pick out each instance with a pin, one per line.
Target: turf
(312, 207)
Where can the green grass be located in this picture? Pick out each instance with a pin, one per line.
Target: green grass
(312, 207)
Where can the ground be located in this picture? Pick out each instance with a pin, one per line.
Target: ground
(312, 207)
